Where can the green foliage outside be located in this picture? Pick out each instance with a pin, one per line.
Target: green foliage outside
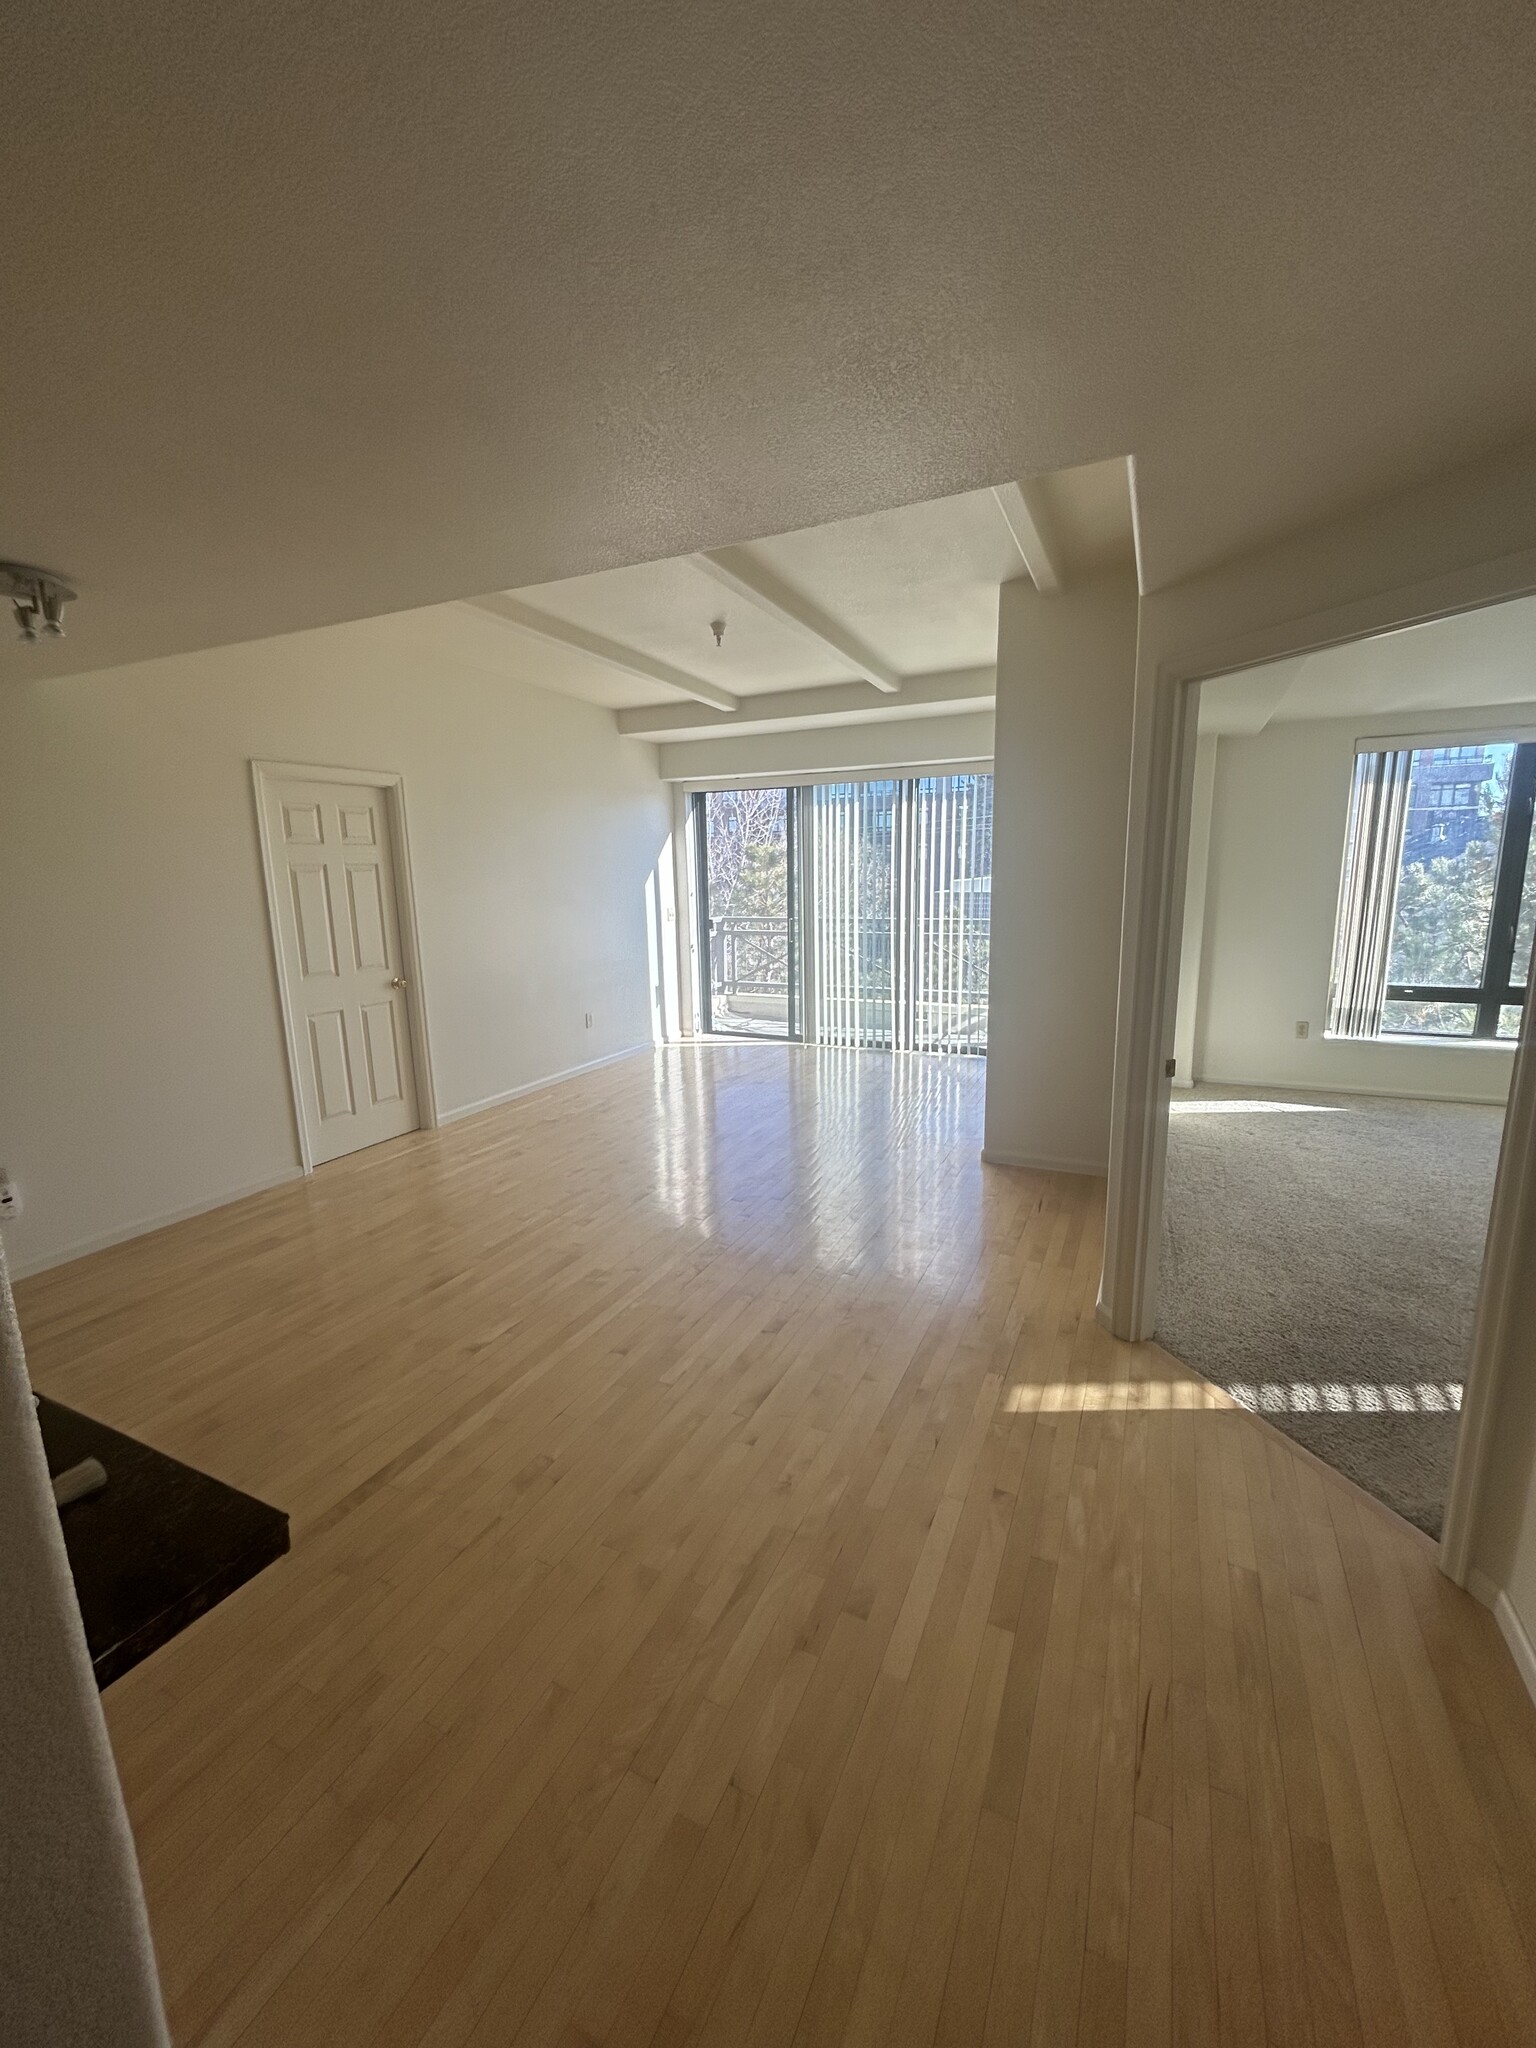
(760, 885)
(1441, 929)
(747, 855)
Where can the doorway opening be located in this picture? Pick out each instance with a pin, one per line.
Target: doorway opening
(851, 913)
(1359, 913)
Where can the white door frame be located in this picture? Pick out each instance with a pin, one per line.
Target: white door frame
(1157, 849)
(264, 773)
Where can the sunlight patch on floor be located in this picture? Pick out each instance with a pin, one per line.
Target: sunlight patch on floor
(1300, 1397)
(1071, 1396)
(1222, 1107)
(1270, 1397)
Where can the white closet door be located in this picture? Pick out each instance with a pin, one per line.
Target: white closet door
(341, 950)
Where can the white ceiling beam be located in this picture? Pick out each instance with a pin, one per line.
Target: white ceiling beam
(882, 746)
(962, 689)
(577, 640)
(740, 572)
(1028, 523)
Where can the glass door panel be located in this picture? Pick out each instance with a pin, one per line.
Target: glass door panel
(950, 913)
(748, 911)
(854, 844)
(898, 884)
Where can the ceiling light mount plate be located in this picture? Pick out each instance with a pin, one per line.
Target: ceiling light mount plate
(38, 598)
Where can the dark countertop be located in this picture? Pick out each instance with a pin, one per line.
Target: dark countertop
(158, 1546)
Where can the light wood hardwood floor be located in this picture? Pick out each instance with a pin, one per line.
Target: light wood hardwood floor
(740, 1595)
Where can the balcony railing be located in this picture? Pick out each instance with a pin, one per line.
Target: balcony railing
(749, 969)
(944, 1008)
(749, 955)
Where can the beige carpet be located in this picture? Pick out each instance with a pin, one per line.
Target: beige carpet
(1320, 1261)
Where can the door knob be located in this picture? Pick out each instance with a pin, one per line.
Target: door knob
(397, 981)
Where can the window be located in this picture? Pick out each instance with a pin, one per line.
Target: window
(1438, 905)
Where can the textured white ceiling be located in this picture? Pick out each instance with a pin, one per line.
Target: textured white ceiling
(664, 609)
(336, 307)
(1472, 659)
(916, 586)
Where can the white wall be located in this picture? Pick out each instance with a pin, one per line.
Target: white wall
(1065, 673)
(1520, 1591)
(142, 1071)
(1493, 1491)
(1196, 881)
(1279, 814)
(1505, 1550)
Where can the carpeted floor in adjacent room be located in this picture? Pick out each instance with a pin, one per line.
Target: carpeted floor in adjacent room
(1320, 1261)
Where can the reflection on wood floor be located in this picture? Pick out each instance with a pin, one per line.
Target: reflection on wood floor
(740, 1595)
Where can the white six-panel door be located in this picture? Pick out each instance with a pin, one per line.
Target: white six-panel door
(340, 932)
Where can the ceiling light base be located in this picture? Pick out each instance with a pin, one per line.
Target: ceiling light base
(38, 598)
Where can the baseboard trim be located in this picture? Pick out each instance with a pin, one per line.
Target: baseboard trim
(607, 1059)
(1510, 1626)
(1035, 1162)
(1341, 1088)
(104, 1241)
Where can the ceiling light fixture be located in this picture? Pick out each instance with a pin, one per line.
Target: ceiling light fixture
(717, 627)
(38, 598)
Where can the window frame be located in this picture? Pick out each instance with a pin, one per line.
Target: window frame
(1495, 991)
(698, 801)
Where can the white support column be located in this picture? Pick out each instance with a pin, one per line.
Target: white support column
(1065, 687)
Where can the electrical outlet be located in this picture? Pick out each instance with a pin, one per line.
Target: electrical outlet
(10, 1197)
(1303, 1028)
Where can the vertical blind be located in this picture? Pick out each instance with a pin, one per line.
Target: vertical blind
(1378, 816)
(950, 913)
(897, 912)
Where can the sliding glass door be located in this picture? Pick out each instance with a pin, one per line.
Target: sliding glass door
(748, 906)
(856, 913)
